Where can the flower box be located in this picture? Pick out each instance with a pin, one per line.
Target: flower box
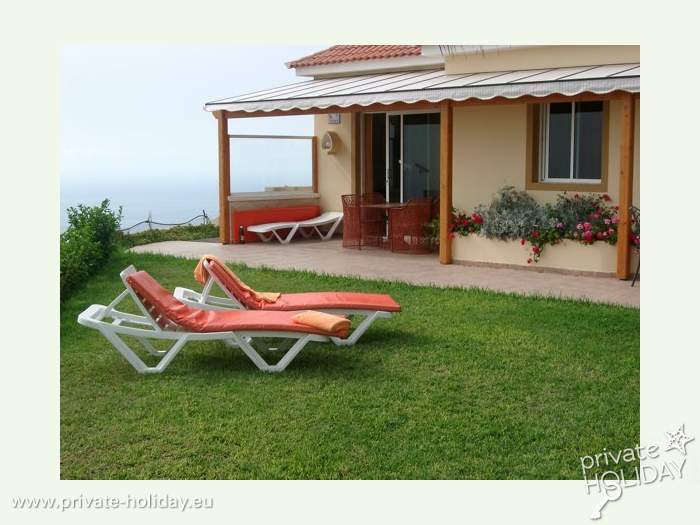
(599, 257)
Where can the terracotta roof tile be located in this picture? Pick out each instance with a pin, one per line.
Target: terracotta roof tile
(338, 54)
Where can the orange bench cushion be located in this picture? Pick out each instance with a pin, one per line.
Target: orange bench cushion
(247, 218)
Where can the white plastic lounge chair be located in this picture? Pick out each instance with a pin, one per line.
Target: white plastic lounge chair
(368, 305)
(165, 318)
(267, 232)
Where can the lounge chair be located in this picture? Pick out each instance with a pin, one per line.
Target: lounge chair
(239, 296)
(165, 318)
(270, 231)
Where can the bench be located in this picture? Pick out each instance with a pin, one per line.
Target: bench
(307, 227)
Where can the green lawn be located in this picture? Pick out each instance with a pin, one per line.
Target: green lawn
(461, 384)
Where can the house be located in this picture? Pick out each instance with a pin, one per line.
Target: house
(458, 122)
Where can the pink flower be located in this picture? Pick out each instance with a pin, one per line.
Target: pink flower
(611, 231)
(600, 236)
(606, 221)
(615, 219)
(588, 236)
(579, 226)
(586, 226)
(560, 225)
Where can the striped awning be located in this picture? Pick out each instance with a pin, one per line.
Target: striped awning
(434, 86)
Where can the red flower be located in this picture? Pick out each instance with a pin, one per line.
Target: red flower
(535, 249)
(522, 242)
(535, 234)
(606, 197)
(600, 236)
(529, 261)
(588, 236)
(477, 218)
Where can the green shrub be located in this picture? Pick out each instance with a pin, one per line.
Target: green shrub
(512, 214)
(571, 210)
(87, 244)
(188, 232)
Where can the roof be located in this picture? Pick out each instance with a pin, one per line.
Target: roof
(338, 54)
(435, 86)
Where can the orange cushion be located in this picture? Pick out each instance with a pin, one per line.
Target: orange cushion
(323, 321)
(329, 300)
(308, 300)
(240, 293)
(163, 304)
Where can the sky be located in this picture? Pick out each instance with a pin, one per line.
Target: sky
(133, 127)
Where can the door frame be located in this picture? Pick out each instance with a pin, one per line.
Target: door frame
(386, 147)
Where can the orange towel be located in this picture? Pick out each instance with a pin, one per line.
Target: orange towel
(201, 275)
(334, 324)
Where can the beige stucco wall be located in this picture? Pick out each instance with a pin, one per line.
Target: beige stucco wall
(490, 150)
(598, 257)
(490, 145)
(334, 170)
(545, 57)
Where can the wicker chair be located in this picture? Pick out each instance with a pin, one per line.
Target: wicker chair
(351, 222)
(435, 208)
(407, 226)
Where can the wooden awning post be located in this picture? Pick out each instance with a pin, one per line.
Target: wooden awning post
(626, 181)
(224, 178)
(445, 181)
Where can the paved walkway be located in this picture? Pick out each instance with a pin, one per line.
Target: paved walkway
(329, 257)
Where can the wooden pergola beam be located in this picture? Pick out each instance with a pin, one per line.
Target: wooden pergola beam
(624, 250)
(355, 166)
(224, 178)
(445, 182)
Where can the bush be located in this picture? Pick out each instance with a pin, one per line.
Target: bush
(87, 244)
(513, 214)
(188, 232)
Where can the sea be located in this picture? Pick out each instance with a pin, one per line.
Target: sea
(165, 202)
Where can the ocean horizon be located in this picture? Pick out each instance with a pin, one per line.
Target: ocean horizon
(169, 203)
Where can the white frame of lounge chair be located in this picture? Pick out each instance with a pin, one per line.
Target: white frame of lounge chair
(207, 301)
(147, 329)
(268, 231)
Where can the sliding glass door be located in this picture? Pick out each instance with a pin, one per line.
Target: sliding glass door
(421, 156)
(405, 150)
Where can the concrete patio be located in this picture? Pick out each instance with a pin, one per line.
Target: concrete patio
(329, 257)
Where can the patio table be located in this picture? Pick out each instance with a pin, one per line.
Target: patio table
(385, 207)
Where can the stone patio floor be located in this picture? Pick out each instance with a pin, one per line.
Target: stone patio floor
(331, 258)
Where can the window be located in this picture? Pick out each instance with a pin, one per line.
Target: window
(570, 146)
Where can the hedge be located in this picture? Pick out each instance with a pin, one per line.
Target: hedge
(87, 244)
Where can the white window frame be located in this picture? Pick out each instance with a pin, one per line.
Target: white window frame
(544, 149)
